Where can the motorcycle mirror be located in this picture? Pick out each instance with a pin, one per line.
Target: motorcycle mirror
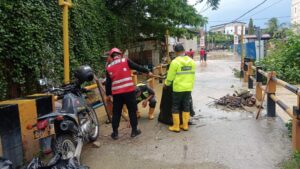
(43, 82)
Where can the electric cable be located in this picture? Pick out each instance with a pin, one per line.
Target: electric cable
(267, 7)
(250, 10)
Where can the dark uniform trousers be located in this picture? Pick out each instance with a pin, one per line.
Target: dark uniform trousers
(119, 100)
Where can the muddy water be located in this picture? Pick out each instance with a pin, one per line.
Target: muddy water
(220, 139)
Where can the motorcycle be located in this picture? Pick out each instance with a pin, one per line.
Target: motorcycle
(72, 125)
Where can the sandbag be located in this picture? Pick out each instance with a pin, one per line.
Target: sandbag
(5, 164)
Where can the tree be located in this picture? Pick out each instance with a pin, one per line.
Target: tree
(251, 27)
(152, 17)
(272, 26)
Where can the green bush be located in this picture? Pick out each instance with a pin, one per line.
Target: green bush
(293, 163)
(285, 58)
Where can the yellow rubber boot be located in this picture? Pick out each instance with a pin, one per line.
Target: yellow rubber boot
(176, 122)
(185, 121)
(151, 113)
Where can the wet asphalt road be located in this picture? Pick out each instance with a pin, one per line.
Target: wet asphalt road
(219, 139)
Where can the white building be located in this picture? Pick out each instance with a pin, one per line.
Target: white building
(295, 12)
(229, 28)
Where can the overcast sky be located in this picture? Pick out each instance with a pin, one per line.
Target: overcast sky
(231, 9)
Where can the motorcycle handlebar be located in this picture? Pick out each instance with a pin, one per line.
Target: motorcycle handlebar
(61, 91)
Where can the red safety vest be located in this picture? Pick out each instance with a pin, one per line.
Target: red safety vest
(120, 75)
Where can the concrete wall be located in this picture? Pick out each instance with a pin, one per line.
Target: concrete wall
(187, 43)
(146, 51)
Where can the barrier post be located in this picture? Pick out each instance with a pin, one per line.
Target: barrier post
(258, 83)
(296, 126)
(250, 73)
(271, 89)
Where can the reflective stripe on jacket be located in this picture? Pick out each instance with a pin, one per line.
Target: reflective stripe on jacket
(181, 74)
(120, 75)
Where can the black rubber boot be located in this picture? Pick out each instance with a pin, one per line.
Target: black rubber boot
(135, 133)
(115, 135)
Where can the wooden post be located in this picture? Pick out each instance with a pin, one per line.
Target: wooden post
(160, 70)
(271, 89)
(135, 79)
(151, 82)
(259, 91)
(296, 127)
(250, 73)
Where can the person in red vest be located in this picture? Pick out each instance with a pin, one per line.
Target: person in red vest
(121, 89)
(202, 55)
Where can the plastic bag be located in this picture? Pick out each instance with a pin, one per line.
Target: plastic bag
(165, 115)
(5, 164)
(56, 163)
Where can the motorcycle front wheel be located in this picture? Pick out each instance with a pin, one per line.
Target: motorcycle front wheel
(94, 132)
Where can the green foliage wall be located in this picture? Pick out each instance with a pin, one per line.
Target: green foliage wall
(31, 35)
(31, 41)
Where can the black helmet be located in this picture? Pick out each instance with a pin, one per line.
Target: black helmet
(84, 74)
(179, 48)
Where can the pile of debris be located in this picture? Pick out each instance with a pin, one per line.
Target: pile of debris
(239, 99)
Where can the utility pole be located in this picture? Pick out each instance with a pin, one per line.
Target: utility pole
(242, 52)
(66, 4)
(258, 35)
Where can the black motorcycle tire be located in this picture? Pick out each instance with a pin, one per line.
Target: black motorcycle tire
(94, 135)
(60, 141)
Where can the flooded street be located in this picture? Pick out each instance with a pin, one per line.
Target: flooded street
(219, 139)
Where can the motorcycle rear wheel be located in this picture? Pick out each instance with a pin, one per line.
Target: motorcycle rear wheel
(65, 144)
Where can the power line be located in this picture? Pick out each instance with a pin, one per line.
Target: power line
(253, 19)
(267, 7)
(250, 11)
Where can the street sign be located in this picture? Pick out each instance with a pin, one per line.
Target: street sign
(202, 41)
(236, 39)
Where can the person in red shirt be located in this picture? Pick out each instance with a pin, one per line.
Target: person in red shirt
(202, 55)
(190, 53)
(120, 86)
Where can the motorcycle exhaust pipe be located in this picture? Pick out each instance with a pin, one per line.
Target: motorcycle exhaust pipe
(68, 125)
